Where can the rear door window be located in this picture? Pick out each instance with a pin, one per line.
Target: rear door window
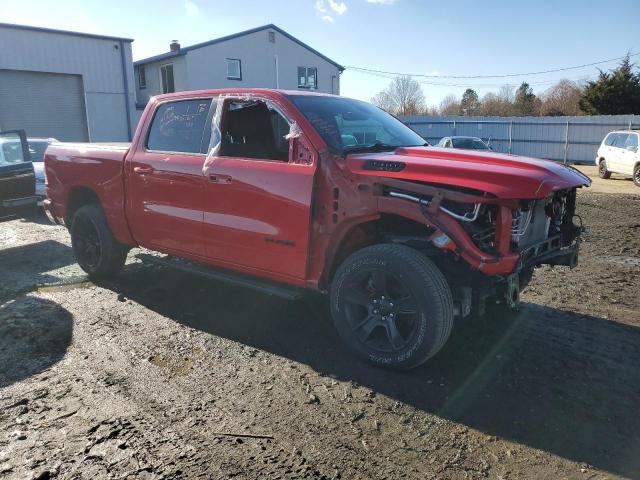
(180, 127)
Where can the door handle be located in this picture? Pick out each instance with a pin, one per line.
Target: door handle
(142, 170)
(215, 178)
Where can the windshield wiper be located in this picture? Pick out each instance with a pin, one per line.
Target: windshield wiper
(374, 147)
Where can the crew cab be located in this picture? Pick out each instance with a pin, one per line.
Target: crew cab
(290, 191)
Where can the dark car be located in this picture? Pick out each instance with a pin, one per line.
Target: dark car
(17, 180)
(465, 143)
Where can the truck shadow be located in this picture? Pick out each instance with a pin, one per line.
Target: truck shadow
(34, 332)
(34, 335)
(551, 379)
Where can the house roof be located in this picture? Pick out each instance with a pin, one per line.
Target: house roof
(65, 32)
(184, 50)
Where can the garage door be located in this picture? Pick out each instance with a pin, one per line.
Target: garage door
(43, 104)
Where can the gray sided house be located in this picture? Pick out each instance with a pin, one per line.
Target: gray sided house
(68, 85)
(266, 57)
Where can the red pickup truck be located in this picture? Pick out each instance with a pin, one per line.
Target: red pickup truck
(287, 191)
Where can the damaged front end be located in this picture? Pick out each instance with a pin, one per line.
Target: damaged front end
(500, 241)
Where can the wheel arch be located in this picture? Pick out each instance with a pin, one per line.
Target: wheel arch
(81, 195)
(77, 198)
(367, 233)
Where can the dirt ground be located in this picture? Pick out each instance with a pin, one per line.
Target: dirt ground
(162, 374)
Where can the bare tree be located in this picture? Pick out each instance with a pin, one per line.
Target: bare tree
(403, 96)
(562, 99)
(494, 104)
(450, 105)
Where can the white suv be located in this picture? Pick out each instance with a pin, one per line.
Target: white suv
(619, 153)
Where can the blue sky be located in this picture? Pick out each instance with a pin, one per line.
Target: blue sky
(413, 36)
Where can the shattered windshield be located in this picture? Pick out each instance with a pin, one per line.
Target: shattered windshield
(349, 125)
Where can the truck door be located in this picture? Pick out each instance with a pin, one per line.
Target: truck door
(17, 181)
(258, 193)
(165, 184)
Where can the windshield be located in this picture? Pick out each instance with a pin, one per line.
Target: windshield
(351, 125)
(469, 143)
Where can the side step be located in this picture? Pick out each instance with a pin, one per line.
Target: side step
(227, 276)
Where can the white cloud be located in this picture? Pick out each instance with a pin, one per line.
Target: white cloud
(320, 7)
(434, 73)
(191, 8)
(327, 18)
(382, 2)
(338, 7)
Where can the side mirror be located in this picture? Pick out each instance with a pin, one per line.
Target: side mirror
(632, 148)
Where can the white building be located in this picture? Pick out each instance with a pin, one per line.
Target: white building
(266, 57)
(67, 85)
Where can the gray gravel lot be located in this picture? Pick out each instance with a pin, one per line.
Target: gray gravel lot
(162, 374)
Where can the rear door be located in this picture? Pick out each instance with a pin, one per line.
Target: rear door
(628, 156)
(617, 152)
(17, 182)
(165, 186)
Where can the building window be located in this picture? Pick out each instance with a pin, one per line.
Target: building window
(272, 37)
(234, 69)
(308, 77)
(166, 78)
(142, 77)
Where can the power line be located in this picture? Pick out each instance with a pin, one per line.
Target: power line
(473, 85)
(371, 70)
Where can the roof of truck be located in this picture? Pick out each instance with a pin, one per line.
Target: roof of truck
(242, 91)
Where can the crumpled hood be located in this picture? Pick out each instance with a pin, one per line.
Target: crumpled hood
(505, 176)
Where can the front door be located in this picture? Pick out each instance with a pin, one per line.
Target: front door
(615, 159)
(17, 181)
(165, 181)
(258, 193)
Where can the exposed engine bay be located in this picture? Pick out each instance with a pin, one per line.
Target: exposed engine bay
(537, 231)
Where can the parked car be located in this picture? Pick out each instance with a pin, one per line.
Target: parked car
(465, 143)
(17, 183)
(37, 146)
(619, 153)
(267, 189)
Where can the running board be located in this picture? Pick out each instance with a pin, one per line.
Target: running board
(233, 278)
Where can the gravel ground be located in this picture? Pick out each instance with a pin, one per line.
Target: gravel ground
(162, 374)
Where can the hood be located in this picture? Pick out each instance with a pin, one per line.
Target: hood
(505, 176)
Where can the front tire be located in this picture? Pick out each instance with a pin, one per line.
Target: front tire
(391, 306)
(602, 170)
(636, 175)
(96, 250)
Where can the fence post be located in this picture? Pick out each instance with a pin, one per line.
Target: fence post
(566, 142)
(454, 128)
(510, 134)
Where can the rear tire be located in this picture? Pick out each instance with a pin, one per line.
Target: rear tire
(636, 175)
(602, 170)
(96, 250)
(391, 306)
